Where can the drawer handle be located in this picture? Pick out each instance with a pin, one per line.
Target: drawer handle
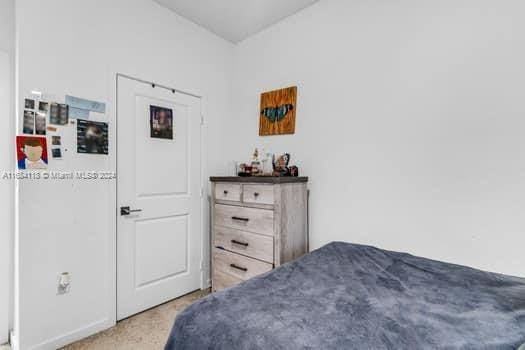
(225, 192)
(239, 243)
(236, 218)
(244, 269)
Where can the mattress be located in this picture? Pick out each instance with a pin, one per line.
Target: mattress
(348, 296)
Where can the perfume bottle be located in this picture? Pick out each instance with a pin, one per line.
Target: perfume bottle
(267, 163)
(256, 164)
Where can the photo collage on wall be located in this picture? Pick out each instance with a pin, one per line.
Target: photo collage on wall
(43, 121)
(37, 113)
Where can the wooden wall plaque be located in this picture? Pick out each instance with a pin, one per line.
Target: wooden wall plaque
(278, 111)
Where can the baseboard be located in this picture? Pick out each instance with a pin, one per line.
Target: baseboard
(205, 280)
(73, 336)
(5, 346)
(13, 341)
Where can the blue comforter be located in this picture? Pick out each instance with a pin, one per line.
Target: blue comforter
(346, 296)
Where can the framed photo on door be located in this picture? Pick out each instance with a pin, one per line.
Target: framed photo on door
(161, 122)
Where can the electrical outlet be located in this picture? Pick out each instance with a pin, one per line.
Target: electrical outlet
(64, 283)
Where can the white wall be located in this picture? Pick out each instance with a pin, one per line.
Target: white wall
(7, 121)
(72, 47)
(7, 25)
(5, 195)
(410, 123)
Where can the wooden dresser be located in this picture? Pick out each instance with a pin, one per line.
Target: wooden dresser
(258, 223)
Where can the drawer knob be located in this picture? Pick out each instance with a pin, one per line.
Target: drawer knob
(256, 194)
(236, 218)
(244, 269)
(239, 243)
(225, 192)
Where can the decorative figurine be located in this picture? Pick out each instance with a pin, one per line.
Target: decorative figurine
(280, 165)
(267, 164)
(256, 164)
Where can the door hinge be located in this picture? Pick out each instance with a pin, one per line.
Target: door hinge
(202, 192)
(202, 265)
(202, 119)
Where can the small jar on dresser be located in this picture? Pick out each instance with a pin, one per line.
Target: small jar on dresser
(258, 223)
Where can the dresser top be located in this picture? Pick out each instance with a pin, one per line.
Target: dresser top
(260, 179)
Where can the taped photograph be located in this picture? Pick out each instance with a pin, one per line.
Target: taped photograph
(56, 140)
(31, 152)
(63, 114)
(29, 122)
(29, 103)
(92, 137)
(54, 114)
(43, 107)
(56, 153)
(161, 123)
(40, 124)
(58, 114)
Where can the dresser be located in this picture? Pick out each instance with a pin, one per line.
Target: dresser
(258, 223)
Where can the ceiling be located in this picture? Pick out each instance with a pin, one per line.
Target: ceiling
(235, 20)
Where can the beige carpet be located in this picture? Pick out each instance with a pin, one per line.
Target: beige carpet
(146, 331)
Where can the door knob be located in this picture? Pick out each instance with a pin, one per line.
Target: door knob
(124, 211)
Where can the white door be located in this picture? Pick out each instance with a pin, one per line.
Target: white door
(159, 241)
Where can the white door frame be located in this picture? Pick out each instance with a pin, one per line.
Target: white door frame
(204, 197)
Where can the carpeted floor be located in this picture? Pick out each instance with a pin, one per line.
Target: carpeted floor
(146, 331)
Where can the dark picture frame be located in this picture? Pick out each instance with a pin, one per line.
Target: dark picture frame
(161, 122)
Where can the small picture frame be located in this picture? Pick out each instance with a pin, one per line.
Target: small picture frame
(161, 123)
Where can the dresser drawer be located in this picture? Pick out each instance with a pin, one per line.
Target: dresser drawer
(244, 219)
(228, 192)
(258, 194)
(250, 244)
(222, 281)
(237, 266)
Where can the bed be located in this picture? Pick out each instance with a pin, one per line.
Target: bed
(347, 296)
